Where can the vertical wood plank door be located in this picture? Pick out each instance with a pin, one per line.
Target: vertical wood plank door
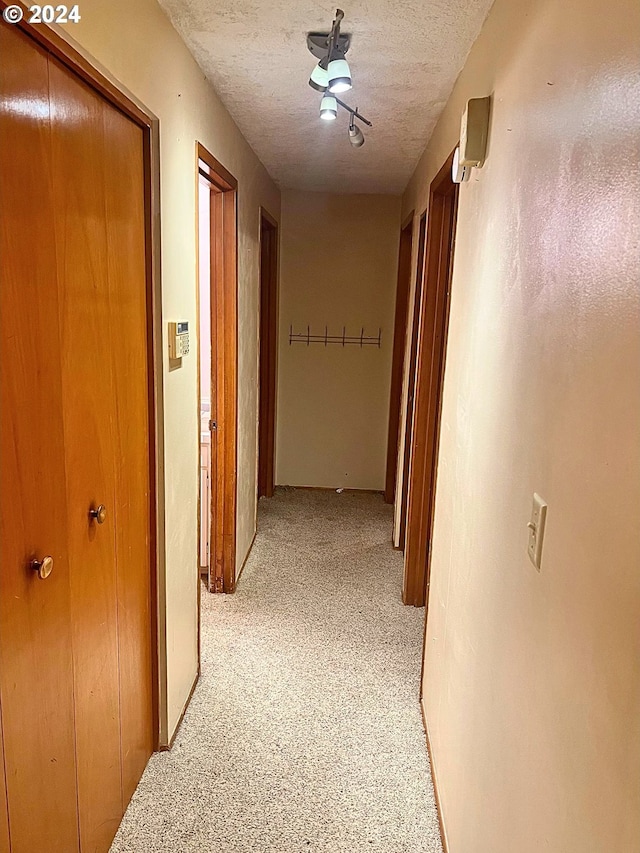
(36, 676)
(216, 482)
(434, 312)
(223, 240)
(224, 348)
(229, 326)
(76, 649)
(78, 149)
(125, 222)
(413, 591)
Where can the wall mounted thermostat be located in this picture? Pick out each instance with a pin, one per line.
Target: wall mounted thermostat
(178, 339)
(474, 132)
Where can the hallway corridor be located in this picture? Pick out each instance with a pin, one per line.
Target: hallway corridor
(304, 733)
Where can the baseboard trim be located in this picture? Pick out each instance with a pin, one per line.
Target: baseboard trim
(168, 746)
(331, 489)
(434, 778)
(244, 562)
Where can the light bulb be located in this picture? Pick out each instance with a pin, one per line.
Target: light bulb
(339, 75)
(328, 108)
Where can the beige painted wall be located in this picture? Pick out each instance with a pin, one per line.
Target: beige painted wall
(339, 256)
(138, 46)
(532, 680)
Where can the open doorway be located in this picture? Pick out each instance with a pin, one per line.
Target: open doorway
(217, 368)
(268, 352)
(204, 363)
(429, 374)
(397, 362)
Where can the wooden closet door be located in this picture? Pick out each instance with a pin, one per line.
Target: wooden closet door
(36, 675)
(78, 152)
(124, 155)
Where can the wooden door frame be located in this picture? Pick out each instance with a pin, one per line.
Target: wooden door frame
(268, 350)
(434, 321)
(55, 43)
(411, 378)
(224, 368)
(403, 289)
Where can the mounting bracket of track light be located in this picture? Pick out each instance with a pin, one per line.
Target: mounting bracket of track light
(318, 43)
(323, 44)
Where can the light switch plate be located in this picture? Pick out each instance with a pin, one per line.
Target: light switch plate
(536, 529)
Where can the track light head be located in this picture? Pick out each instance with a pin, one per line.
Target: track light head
(339, 73)
(328, 108)
(319, 79)
(356, 136)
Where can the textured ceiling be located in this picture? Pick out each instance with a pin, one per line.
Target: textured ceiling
(405, 56)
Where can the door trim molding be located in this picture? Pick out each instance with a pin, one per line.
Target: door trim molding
(270, 219)
(224, 369)
(412, 360)
(403, 292)
(430, 366)
(268, 356)
(58, 43)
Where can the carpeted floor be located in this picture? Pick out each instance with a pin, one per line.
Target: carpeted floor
(304, 733)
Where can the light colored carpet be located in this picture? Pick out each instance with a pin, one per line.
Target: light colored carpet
(305, 732)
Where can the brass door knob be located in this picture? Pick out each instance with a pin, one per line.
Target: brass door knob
(43, 567)
(100, 514)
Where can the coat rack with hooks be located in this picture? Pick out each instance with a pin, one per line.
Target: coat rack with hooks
(361, 340)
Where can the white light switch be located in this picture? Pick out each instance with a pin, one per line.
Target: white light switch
(536, 530)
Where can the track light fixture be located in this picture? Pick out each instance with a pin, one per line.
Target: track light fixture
(332, 76)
